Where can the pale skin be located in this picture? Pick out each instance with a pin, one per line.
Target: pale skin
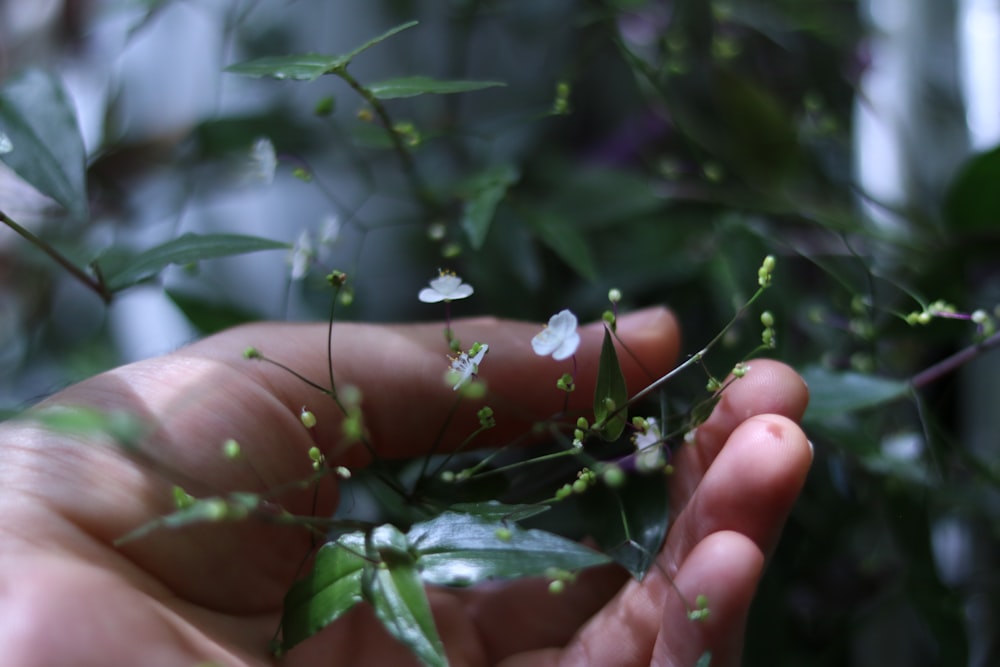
(212, 594)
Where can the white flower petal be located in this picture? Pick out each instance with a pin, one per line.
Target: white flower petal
(446, 287)
(464, 367)
(264, 161)
(559, 338)
(563, 322)
(567, 347)
(429, 295)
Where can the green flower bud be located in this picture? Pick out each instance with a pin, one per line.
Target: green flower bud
(231, 449)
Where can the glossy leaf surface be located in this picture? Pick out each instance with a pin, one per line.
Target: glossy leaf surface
(460, 549)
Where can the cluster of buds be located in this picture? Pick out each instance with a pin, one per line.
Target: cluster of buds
(985, 323)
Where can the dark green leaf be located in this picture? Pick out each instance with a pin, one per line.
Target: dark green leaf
(42, 139)
(611, 394)
(630, 522)
(396, 592)
(300, 67)
(185, 249)
(208, 315)
(411, 86)
(833, 393)
(596, 197)
(381, 38)
(307, 66)
(565, 240)
(483, 194)
(973, 198)
(461, 549)
(499, 511)
(331, 589)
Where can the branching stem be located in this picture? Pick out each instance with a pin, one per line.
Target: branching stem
(96, 285)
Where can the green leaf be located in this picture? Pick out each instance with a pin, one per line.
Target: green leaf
(493, 509)
(630, 522)
(973, 198)
(456, 549)
(209, 315)
(483, 194)
(42, 139)
(412, 86)
(566, 241)
(381, 38)
(610, 393)
(396, 592)
(299, 67)
(185, 249)
(234, 507)
(307, 66)
(124, 428)
(330, 590)
(833, 393)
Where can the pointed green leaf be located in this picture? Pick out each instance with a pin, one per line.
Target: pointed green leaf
(492, 509)
(299, 67)
(42, 141)
(611, 394)
(483, 194)
(461, 549)
(396, 592)
(412, 86)
(381, 38)
(307, 66)
(185, 249)
(234, 507)
(330, 590)
(833, 393)
(630, 522)
(565, 240)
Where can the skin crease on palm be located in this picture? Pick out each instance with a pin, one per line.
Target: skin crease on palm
(212, 594)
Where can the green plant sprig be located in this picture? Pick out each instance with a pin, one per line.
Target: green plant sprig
(94, 283)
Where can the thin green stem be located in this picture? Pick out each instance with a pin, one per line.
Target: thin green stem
(405, 156)
(96, 285)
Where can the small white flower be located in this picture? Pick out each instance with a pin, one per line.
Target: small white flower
(649, 447)
(648, 437)
(559, 338)
(465, 366)
(263, 161)
(446, 287)
(329, 231)
(301, 256)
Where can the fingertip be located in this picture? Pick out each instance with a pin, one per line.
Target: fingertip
(721, 573)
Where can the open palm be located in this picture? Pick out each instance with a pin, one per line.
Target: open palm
(212, 594)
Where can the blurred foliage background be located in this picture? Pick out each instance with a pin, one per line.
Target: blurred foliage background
(662, 148)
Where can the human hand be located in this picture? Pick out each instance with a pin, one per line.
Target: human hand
(213, 593)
